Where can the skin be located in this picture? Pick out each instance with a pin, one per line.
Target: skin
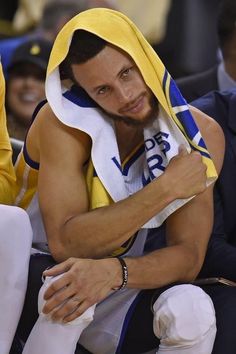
(229, 55)
(25, 90)
(120, 90)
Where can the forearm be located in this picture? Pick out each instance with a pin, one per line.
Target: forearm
(96, 234)
(162, 267)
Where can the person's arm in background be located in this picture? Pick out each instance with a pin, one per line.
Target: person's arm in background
(220, 259)
(7, 174)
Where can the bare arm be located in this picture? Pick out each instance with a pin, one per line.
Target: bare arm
(188, 232)
(72, 230)
(188, 229)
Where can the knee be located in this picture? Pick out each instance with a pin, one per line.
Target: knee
(183, 314)
(15, 220)
(15, 229)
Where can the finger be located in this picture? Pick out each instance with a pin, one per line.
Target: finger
(59, 298)
(59, 268)
(183, 150)
(66, 308)
(79, 310)
(56, 285)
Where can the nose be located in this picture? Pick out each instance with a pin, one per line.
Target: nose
(124, 93)
(30, 80)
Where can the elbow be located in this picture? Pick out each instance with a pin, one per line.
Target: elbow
(195, 262)
(58, 252)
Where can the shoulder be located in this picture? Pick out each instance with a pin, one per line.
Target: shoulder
(212, 134)
(197, 78)
(49, 135)
(197, 85)
(219, 105)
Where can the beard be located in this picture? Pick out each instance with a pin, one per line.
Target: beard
(147, 120)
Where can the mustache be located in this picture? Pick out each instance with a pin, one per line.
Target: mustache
(131, 104)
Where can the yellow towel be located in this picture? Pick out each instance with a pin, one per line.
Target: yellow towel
(117, 29)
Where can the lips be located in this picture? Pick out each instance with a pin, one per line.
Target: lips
(135, 107)
(29, 97)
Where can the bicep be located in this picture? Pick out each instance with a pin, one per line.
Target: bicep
(61, 185)
(213, 136)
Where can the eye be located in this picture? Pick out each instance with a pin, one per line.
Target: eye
(125, 73)
(102, 90)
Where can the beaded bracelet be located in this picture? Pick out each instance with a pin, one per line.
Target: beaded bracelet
(124, 274)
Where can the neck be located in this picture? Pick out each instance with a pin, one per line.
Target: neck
(128, 137)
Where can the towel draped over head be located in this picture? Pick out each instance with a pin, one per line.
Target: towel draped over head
(115, 28)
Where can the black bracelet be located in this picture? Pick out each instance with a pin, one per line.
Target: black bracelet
(124, 274)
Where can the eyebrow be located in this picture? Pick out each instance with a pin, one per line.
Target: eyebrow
(118, 74)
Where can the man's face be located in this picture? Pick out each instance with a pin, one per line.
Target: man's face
(114, 82)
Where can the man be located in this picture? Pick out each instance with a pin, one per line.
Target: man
(221, 255)
(223, 76)
(97, 211)
(15, 239)
(222, 106)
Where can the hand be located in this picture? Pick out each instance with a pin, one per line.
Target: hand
(186, 174)
(84, 283)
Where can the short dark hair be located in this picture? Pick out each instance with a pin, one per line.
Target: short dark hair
(84, 46)
(226, 23)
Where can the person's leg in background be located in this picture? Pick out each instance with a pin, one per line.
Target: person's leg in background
(15, 245)
(224, 300)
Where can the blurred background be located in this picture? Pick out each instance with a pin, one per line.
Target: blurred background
(183, 32)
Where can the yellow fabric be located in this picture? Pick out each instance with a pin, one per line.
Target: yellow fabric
(117, 29)
(150, 16)
(26, 182)
(7, 174)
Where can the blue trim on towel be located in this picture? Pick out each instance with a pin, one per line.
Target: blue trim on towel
(164, 81)
(79, 96)
(201, 152)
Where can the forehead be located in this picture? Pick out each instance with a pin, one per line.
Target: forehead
(106, 65)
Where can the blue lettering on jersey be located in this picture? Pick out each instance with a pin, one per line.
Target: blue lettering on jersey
(155, 162)
(159, 140)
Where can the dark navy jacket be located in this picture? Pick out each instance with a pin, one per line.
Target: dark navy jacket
(194, 86)
(221, 256)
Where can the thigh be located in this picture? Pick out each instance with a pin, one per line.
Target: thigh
(224, 299)
(38, 263)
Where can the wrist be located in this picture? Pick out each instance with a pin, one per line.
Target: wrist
(124, 272)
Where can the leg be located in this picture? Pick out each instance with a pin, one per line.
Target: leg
(224, 300)
(184, 320)
(50, 337)
(16, 239)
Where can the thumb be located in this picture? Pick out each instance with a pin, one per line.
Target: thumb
(183, 150)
